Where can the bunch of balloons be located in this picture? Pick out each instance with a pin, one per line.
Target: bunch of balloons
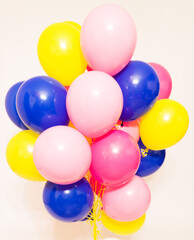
(111, 122)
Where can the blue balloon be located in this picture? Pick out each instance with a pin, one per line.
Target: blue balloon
(140, 87)
(41, 103)
(69, 203)
(10, 105)
(151, 160)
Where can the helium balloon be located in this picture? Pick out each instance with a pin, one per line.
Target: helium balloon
(122, 228)
(115, 158)
(68, 203)
(60, 54)
(62, 155)
(151, 160)
(128, 202)
(164, 125)
(41, 103)
(165, 80)
(10, 105)
(19, 155)
(94, 103)
(140, 87)
(132, 128)
(87, 138)
(108, 38)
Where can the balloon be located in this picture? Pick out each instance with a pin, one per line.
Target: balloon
(60, 54)
(122, 228)
(132, 128)
(10, 105)
(140, 87)
(68, 203)
(108, 38)
(74, 24)
(19, 155)
(115, 158)
(164, 125)
(62, 155)
(129, 202)
(87, 138)
(94, 103)
(151, 160)
(41, 103)
(165, 80)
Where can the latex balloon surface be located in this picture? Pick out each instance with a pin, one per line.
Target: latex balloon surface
(128, 202)
(94, 103)
(122, 228)
(140, 87)
(69, 203)
(165, 80)
(10, 105)
(60, 54)
(115, 158)
(41, 103)
(108, 38)
(62, 155)
(164, 125)
(19, 154)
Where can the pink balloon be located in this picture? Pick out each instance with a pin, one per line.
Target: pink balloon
(62, 155)
(94, 103)
(115, 158)
(165, 80)
(128, 202)
(132, 128)
(108, 38)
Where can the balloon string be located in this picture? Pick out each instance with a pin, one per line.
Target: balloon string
(95, 214)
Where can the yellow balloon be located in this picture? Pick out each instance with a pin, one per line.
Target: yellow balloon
(164, 125)
(122, 228)
(87, 138)
(19, 154)
(74, 24)
(60, 54)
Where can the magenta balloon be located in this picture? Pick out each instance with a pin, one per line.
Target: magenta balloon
(115, 158)
(94, 103)
(129, 202)
(108, 38)
(62, 155)
(165, 80)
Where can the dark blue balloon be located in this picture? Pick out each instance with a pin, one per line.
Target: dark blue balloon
(140, 87)
(151, 160)
(69, 203)
(41, 103)
(10, 105)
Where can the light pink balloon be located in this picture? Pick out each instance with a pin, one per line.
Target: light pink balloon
(165, 80)
(94, 103)
(62, 155)
(132, 128)
(128, 202)
(108, 38)
(115, 158)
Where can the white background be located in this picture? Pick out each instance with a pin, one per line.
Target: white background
(166, 36)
